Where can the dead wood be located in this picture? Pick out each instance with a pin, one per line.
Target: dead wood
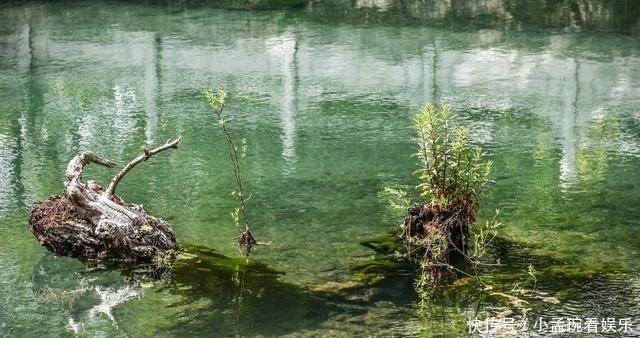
(92, 223)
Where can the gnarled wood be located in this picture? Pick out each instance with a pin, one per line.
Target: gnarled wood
(145, 156)
(93, 223)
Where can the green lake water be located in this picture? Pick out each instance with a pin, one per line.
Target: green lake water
(324, 94)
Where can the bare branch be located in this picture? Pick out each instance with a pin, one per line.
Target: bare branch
(143, 157)
(77, 164)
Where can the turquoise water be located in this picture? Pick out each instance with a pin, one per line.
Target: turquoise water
(324, 95)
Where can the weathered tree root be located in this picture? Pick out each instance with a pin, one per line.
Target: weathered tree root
(92, 223)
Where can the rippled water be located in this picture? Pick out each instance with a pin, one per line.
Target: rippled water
(323, 94)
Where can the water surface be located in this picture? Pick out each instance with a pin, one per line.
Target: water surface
(324, 95)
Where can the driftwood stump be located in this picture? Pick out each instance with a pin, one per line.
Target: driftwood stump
(93, 223)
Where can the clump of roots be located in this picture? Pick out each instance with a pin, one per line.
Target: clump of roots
(52, 211)
(59, 227)
(246, 241)
(437, 237)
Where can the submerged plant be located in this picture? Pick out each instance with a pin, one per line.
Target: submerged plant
(217, 102)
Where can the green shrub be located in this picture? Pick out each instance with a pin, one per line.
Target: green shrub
(217, 101)
(452, 173)
(439, 232)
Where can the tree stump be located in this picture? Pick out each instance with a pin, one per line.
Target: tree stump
(93, 223)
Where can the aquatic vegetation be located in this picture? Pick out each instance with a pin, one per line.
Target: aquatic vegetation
(451, 173)
(217, 101)
(441, 234)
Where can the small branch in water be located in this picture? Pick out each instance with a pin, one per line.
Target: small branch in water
(217, 103)
(147, 154)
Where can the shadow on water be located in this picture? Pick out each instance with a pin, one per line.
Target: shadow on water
(560, 289)
(241, 296)
(205, 292)
(211, 292)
